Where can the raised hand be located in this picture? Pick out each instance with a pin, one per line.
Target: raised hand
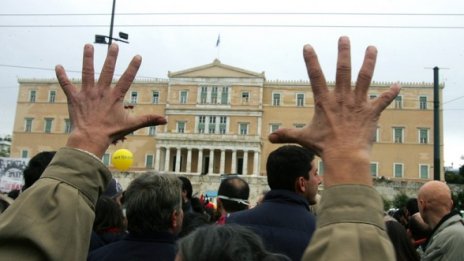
(96, 110)
(344, 122)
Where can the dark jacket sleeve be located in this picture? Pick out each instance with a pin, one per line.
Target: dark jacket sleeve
(52, 220)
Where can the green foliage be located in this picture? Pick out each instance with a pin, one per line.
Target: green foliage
(455, 178)
(387, 204)
(400, 200)
(459, 200)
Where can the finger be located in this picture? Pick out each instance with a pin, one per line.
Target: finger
(88, 73)
(343, 76)
(365, 74)
(386, 98)
(137, 122)
(285, 135)
(106, 76)
(127, 78)
(65, 83)
(316, 76)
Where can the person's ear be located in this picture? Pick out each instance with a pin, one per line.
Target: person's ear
(300, 184)
(176, 219)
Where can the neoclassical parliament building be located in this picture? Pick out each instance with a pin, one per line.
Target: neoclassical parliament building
(219, 117)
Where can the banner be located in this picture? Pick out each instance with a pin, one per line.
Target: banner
(11, 173)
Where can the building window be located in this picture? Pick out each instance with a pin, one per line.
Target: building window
(67, 126)
(48, 125)
(133, 97)
(180, 126)
(52, 96)
(149, 161)
(424, 171)
(24, 154)
(155, 97)
(273, 127)
(106, 159)
(32, 96)
(183, 97)
(243, 128)
(28, 124)
(203, 94)
(222, 125)
(299, 125)
(276, 99)
(151, 131)
(225, 95)
(374, 169)
(245, 97)
(300, 99)
(201, 124)
(398, 133)
(399, 102)
(377, 134)
(320, 169)
(423, 136)
(423, 102)
(214, 95)
(212, 124)
(398, 170)
(372, 96)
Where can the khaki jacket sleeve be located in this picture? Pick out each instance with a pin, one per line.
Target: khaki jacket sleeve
(350, 226)
(52, 220)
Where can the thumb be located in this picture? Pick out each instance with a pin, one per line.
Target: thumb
(285, 135)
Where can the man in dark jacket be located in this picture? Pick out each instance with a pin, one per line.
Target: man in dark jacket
(154, 217)
(283, 220)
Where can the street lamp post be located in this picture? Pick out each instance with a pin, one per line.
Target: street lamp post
(101, 39)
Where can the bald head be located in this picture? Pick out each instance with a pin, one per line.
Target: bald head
(435, 202)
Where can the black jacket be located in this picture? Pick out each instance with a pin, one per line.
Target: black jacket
(283, 221)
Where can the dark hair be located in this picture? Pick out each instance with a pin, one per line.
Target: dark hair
(193, 220)
(404, 249)
(418, 228)
(150, 201)
(412, 206)
(36, 167)
(108, 214)
(186, 186)
(286, 164)
(229, 242)
(235, 188)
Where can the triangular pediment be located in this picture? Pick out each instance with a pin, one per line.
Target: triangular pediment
(216, 69)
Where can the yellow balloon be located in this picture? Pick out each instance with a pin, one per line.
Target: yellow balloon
(122, 159)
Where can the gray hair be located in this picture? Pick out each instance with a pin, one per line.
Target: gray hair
(150, 201)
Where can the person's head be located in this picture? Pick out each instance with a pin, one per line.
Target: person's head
(192, 221)
(412, 206)
(108, 214)
(227, 243)
(36, 167)
(114, 191)
(292, 167)
(417, 228)
(402, 244)
(153, 204)
(434, 200)
(233, 194)
(187, 189)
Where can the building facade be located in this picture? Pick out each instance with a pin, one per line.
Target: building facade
(219, 117)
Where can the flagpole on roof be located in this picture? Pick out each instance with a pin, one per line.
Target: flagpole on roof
(218, 42)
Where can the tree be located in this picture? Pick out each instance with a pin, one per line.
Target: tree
(400, 200)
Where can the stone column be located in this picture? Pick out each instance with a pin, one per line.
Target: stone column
(157, 159)
(222, 162)
(200, 160)
(189, 160)
(234, 162)
(166, 160)
(177, 169)
(211, 161)
(256, 163)
(245, 162)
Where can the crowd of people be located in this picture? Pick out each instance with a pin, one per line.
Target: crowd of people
(75, 210)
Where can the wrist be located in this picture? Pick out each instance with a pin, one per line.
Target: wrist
(346, 166)
(94, 144)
